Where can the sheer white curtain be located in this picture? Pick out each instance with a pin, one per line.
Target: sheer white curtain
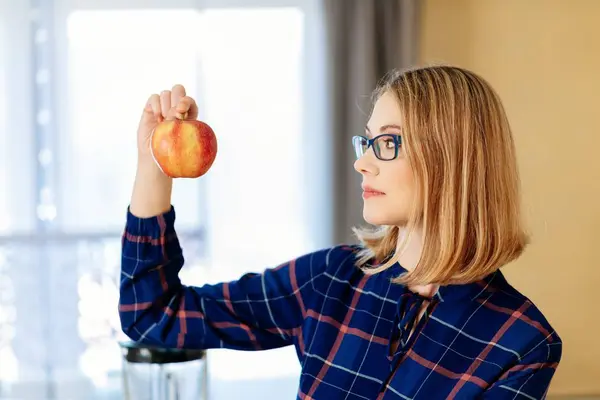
(74, 75)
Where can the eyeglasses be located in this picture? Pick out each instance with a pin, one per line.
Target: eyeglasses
(386, 147)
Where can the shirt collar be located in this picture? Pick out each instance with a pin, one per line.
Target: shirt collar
(459, 292)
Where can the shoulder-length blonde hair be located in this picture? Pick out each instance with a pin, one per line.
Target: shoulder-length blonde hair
(458, 141)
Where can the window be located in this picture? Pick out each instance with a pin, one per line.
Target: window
(4, 214)
(110, 74)
(17, 208)
(248, 64)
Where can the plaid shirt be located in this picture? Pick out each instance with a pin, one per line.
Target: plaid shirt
(481, 340)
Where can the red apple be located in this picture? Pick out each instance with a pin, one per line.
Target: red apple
(183, 148)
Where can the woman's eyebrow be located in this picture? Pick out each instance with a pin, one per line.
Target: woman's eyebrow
(383, 128)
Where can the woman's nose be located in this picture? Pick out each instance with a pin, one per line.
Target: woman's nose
(365, 165)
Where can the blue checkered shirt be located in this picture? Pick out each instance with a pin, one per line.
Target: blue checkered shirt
(481, 340)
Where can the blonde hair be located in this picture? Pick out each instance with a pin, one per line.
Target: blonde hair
(459, 144)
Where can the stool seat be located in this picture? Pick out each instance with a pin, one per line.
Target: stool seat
(135, 352)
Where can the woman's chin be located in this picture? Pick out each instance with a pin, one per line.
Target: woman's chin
(373, 217)
(376, 219)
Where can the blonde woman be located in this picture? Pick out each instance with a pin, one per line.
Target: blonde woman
(420, 310)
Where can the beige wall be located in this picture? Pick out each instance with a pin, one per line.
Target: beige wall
(543, 57)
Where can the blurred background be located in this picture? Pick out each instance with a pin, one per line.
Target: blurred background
(285, 84)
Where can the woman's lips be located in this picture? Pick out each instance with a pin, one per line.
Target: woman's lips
(368, 195)
(369, 192)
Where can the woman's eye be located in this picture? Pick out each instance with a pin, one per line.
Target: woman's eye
(389, 144)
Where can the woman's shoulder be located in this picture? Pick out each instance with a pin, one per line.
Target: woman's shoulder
(332, 260)
(330, 267)
(522, 325)
(332, 254)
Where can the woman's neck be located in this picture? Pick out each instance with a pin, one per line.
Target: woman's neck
(410, 252)
(409, 257)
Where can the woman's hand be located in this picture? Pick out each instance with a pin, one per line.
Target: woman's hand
(170, 104)
(152, 189)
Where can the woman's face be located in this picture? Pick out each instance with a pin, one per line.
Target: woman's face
(388, 186)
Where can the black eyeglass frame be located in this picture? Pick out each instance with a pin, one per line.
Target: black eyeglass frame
(358, 140)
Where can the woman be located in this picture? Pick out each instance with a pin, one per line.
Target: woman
(420, 310)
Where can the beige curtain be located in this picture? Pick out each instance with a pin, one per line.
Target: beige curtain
(365, 39)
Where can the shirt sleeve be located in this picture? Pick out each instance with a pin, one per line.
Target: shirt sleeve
(257, 311)
(531, 378)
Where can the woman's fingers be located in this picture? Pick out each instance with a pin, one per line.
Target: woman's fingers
(185, 108)
(152, 111)
(192, 112)
(177, 93)
(154, 103)
(171, 104)
(165, 103)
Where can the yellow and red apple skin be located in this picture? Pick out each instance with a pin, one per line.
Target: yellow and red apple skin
(183, 148)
